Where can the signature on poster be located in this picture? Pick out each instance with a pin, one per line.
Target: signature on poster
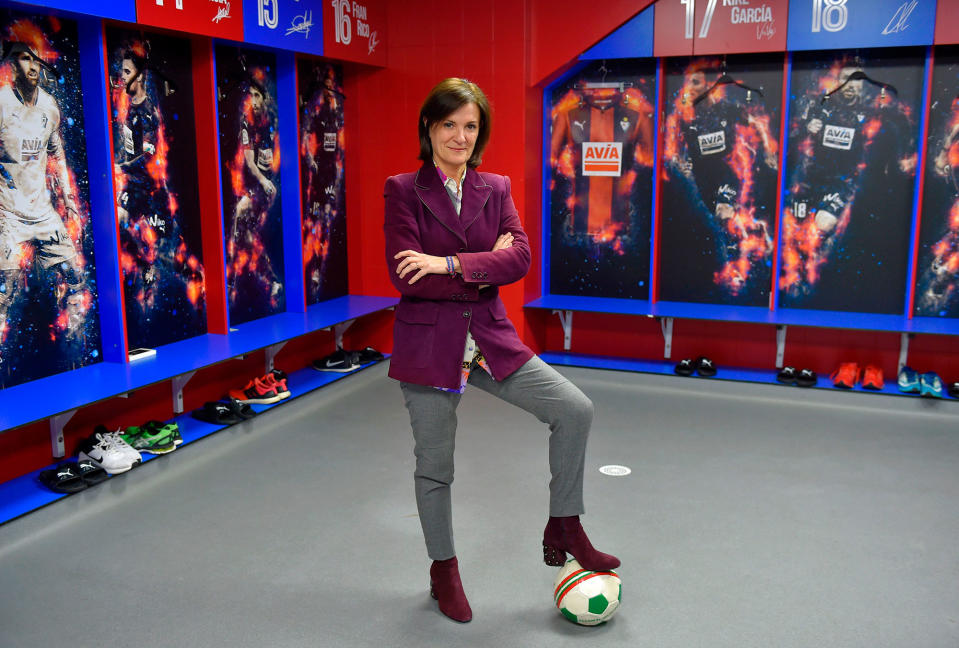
(373, 42)
(223, 11)
(899, 22)
(765, 30)
(301, 24)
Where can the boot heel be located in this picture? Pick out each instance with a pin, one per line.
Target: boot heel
(553, 557)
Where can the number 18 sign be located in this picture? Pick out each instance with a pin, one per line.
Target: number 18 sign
(841, 24)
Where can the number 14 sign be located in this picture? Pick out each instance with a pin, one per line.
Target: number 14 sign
(842, 24)
(719, 26)
(218, 18)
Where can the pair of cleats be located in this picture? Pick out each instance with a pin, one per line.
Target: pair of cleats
(270, 388)
(72, 476)
(927, 384)
(701, 365)
(849, 373)
(108, 450)
(801, 378)
(343, 361)
(225, 412)
(153, 437)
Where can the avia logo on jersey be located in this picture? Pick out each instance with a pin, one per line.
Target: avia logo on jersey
(712, 143)
(603, 159)
(329, 141)
(30, 149)
(838, 137)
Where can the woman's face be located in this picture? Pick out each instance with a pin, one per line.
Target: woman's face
(454, 137)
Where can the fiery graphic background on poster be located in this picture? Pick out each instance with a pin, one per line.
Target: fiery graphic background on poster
(249, 168)
(322, 150)
(600, 224)
(720, 179)
(155, 177)
(850, 181)
(937, 269)
(49, 320)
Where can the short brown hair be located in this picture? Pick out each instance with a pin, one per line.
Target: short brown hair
(447, 97)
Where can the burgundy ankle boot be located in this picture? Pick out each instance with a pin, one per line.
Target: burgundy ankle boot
(564, 534)
(447, 589)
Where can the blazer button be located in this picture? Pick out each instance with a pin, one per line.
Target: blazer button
(466, 314)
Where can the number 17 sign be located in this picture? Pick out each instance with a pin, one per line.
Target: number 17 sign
(720, 26)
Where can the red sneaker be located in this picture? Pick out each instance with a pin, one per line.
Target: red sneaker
(256, 392)
(846, 376)
(276, 384)
(872, 378)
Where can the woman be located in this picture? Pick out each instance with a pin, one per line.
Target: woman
(453, 237)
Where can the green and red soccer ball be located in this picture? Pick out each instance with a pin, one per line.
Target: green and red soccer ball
(587, 597)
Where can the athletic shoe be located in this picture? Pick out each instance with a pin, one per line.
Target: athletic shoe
(846, 376)
(807, 378)
(787, 376)
(340, 361)
(931, 385)
(909, 381)
(256, 393)
(152, 437)
(872, 378)
(102, 450)
(276, 384)
(954, 390)
(120, 443)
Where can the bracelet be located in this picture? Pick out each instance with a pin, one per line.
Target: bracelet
(450, 266)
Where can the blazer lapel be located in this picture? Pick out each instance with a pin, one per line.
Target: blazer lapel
(431, 192)
(475, 194)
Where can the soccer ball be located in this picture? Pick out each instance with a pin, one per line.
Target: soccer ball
(586, 597)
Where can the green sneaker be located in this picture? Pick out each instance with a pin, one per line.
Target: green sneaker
(152, 437)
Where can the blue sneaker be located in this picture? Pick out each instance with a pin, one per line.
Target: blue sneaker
(909, 381)
(931, 385)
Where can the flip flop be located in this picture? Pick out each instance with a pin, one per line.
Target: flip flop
(65, 478)
(218, 413)
(368, 355)
(705, 367)
(685, 367)
(92, 474)
(787, 376)
(806, 378)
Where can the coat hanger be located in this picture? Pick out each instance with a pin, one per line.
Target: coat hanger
(725, 79)
(859, 75)
(603, 84)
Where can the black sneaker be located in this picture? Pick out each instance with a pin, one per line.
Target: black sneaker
(340, 361)
(368, 355)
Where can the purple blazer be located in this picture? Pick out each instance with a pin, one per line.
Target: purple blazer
(435, 313)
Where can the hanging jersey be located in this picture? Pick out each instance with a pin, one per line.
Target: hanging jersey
(139, 134)
(258, 138)
(27, 135)
(603, 201)
(710, 141)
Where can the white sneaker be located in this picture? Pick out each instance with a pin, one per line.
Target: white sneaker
(128, 450)
(103, 452)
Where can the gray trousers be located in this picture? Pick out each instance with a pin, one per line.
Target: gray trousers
(535, 387)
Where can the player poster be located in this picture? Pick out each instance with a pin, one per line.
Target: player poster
(48, 294)
(250, 177)
(850, 180)
(155, 176)
(322, 139)
(600, 192)
(937, 270)
(720, 179)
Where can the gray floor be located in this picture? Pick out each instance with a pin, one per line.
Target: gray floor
(754, 516)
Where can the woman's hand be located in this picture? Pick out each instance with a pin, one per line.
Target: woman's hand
(419, 265)
(504, 241)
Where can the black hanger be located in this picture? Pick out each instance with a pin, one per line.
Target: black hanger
(725, 79)
(857, 76)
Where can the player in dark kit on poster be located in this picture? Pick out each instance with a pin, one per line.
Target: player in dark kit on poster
(164, 287)
(937, 277)
(849, 147)
(322, 170)
(720, 141)
(601, 222)
(47, 310)
(254, 233)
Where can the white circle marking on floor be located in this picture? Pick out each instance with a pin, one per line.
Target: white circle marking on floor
(615, 471)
